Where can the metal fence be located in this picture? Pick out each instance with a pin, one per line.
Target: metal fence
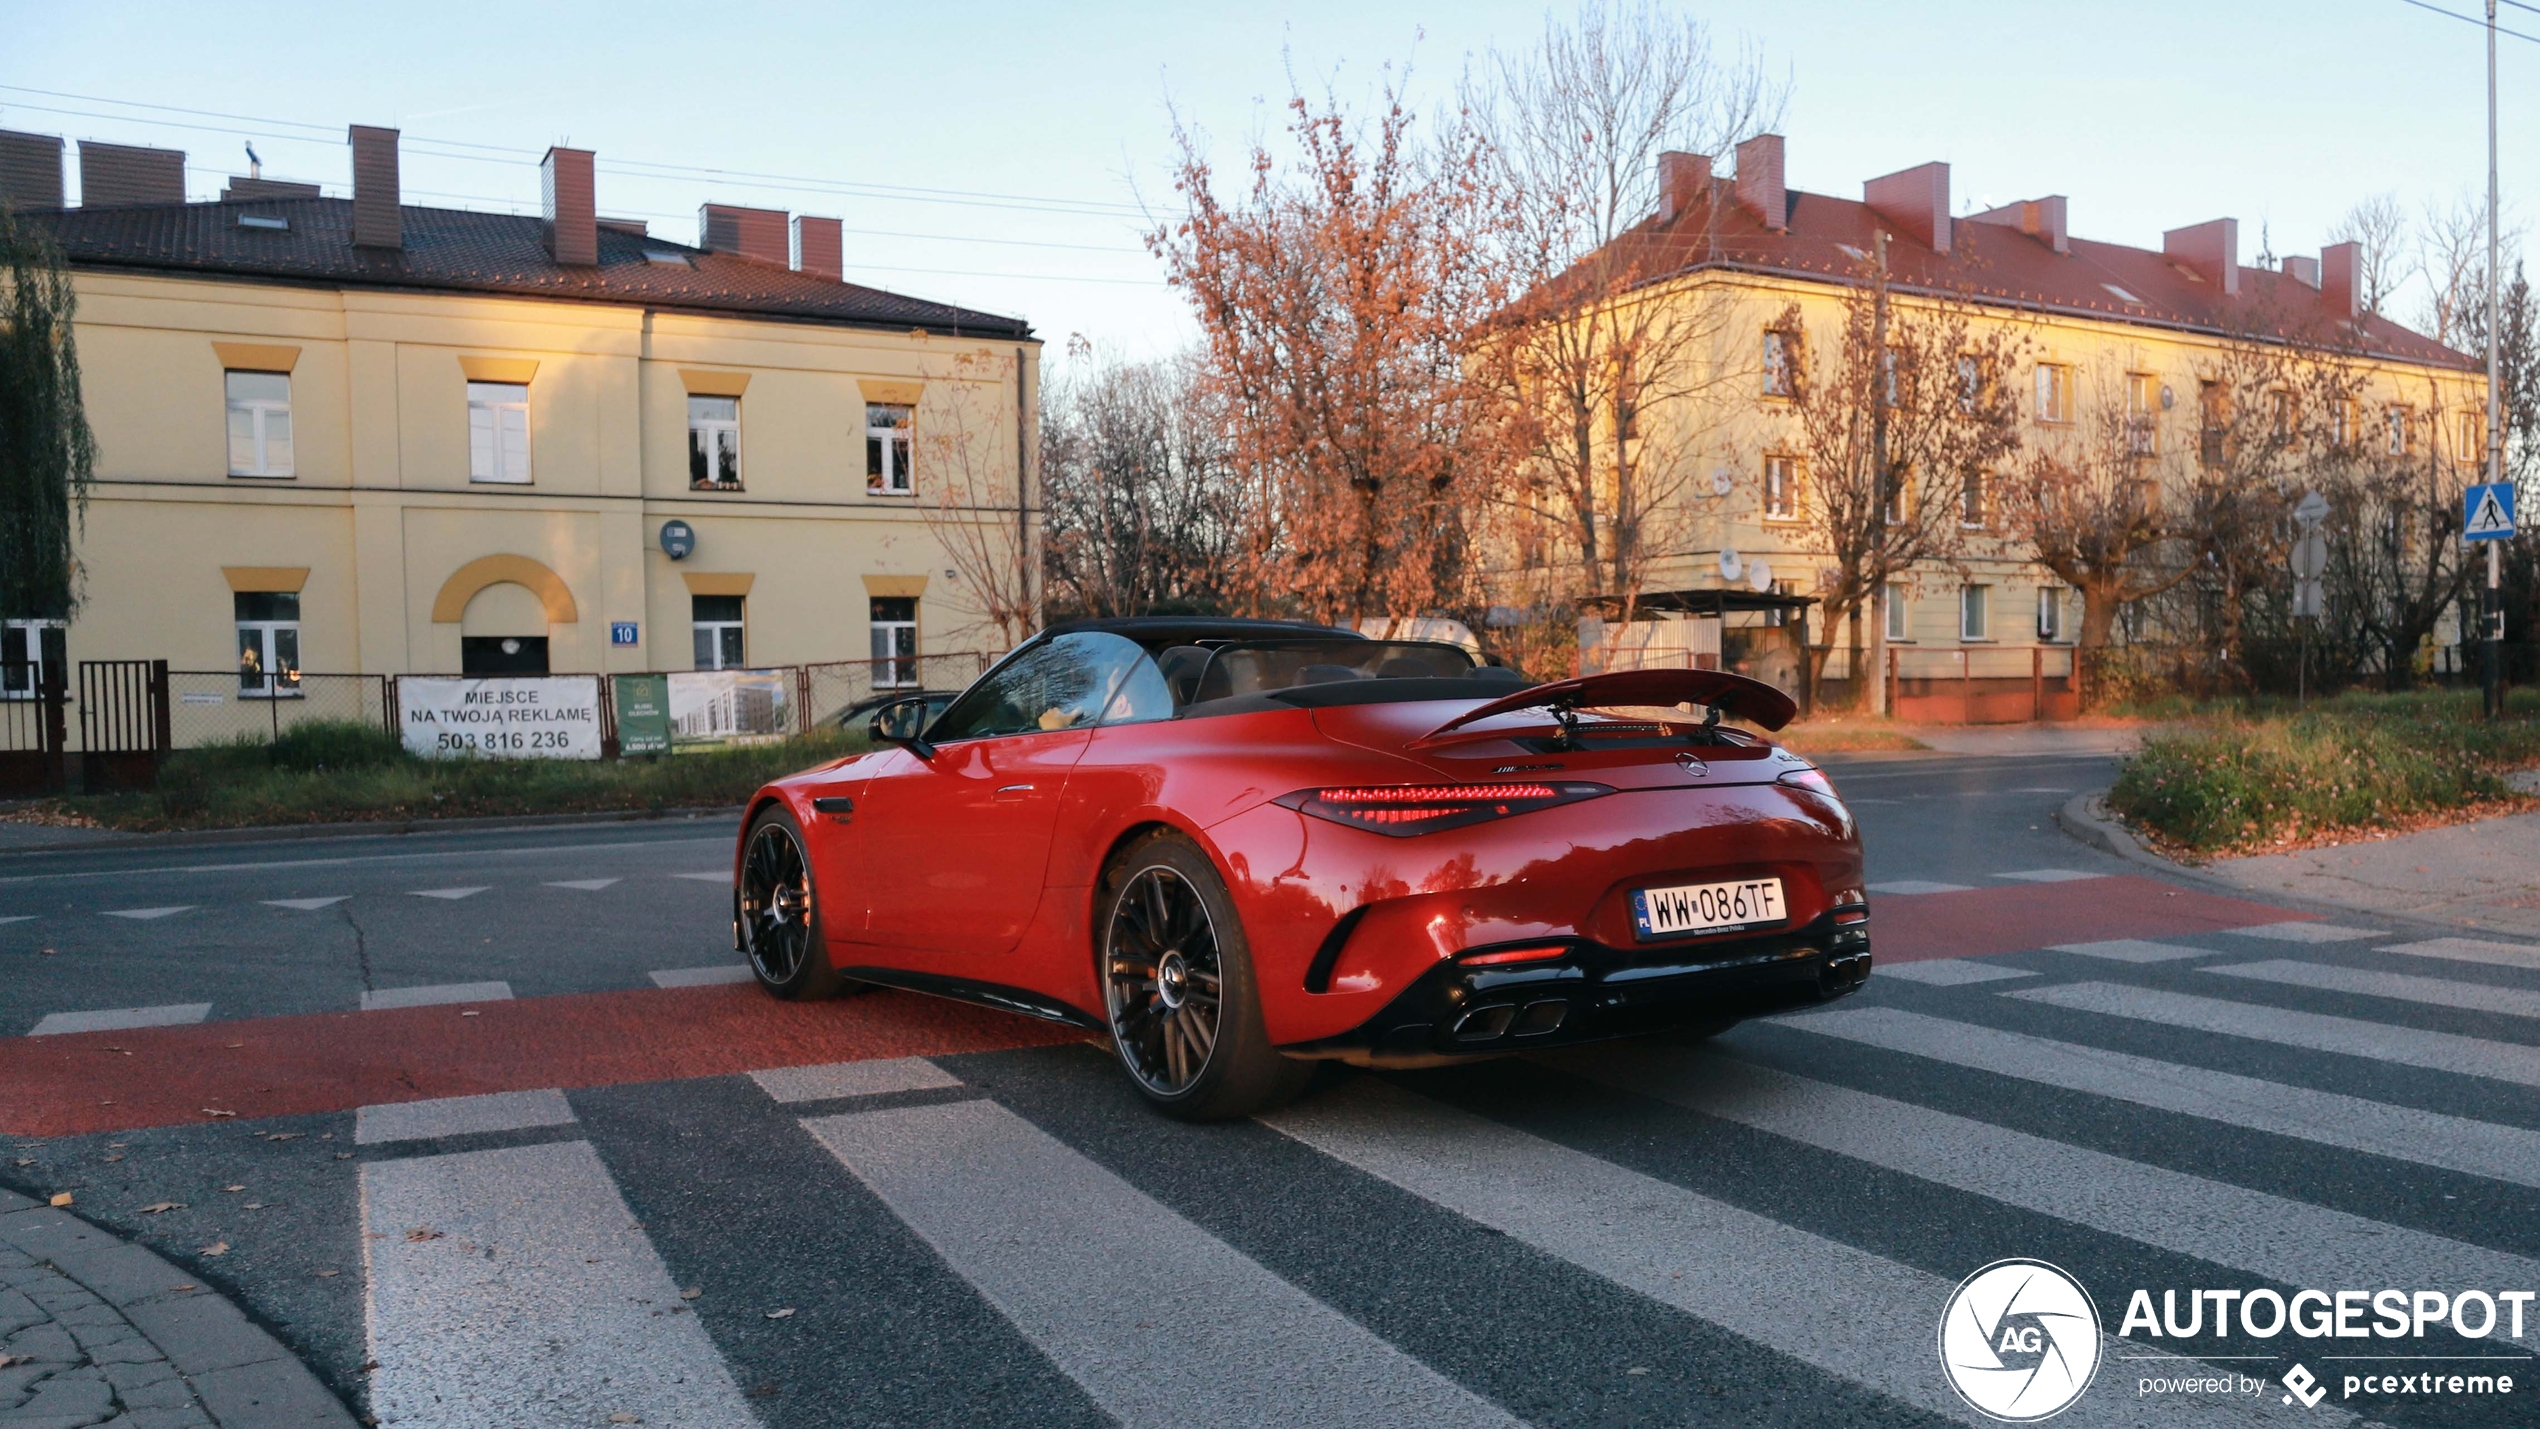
(34, 729)
(227, 707)
(1982, 684)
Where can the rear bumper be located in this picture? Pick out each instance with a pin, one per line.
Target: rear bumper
(1456, 1012)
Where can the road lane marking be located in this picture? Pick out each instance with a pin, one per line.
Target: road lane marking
(514, 1287)
(2312, 1031)
(852, 1079)
(1951, 972)
(143, 914)
(701, 977)
(2471, 950)
(435, 994)
(451, 894)
(460, 1116)
(719, 877)
(2402, 987)
(19, 918)
(1074, 1256)
(1801, 1294)
(523, 850)
(1911, 886)
(587, 885)
(116, 1019)
(306, 905)
(2135, 950)
(2266, 1235)
(2039, 789)
(2504, 1153)
(2050, 875)
(2305, 932)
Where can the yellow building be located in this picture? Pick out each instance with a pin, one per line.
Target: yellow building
(354, 435)
(2103, 327)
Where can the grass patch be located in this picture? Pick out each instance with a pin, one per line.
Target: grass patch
(2258, 775)
(331, 772)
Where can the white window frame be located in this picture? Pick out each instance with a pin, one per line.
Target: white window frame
(710, 429)
(32, 634)
(1900, 624)
(1971, 494)
(1781, 488)
(895, 664)
(1975, 613)
(276, 680)
(2054, 392)
(713, 630)
(893, 446)
(2050, 615)
(2143, 413)
(260, 413)
(1781, 355)
(498, 432)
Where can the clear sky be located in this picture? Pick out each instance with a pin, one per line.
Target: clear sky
(1041, 131)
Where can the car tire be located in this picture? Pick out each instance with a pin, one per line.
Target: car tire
(1164, 929)
(776, 909)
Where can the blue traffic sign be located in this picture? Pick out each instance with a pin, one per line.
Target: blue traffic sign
(2487, 511)
(622, 632)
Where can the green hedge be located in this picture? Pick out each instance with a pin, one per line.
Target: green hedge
(325, 772)
(2244, 778)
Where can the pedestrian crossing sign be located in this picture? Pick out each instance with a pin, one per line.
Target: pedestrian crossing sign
(2488, 512)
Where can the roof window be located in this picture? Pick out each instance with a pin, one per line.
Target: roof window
(1855, 254)
(666, 258)
(273, 222)
(2122, 295)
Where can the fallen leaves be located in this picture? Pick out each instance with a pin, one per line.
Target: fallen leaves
(60, 1198)
(284, 1135)
(328, 1274)
(420, 1234)
(784, 1314)
(233, 1188)
(622, 1417)
(218, 1247)
(217, 1112)
(161, 1208)
(182, 1289)
(692, 1292)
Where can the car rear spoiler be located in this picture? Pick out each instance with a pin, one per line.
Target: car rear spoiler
(1732, 695)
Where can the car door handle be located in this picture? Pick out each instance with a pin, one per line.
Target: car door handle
(834, 804)
(1012, 792)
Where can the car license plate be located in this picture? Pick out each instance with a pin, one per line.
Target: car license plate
(1707, 907)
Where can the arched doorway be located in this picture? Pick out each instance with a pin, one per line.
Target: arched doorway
(504, 607)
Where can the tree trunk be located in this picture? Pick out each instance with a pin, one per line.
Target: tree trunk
(2099, 604)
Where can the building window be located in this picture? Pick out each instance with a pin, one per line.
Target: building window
(2054, 392)
(2280, 414)
(259, 423)
(2341, 421)
(894, 641)
(1781, 488)
(2142, 413)
(1971, 502)
(498, 432)
(1973, 602)
(719, 626)
(1781, 354)
(2395, 435)
(714, 443)
(1970, 382)
(2050, 613)
(1893, 598)
(2473, 437)
(2213, 421)
(888, 470)
(268, 643)
(29, 648)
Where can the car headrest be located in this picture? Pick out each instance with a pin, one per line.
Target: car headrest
(1325, 674)
(1181, 666)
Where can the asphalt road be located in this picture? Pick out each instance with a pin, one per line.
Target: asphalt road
(958, 1221)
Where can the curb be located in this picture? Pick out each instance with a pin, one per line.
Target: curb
(375, 828)
(241, 1376)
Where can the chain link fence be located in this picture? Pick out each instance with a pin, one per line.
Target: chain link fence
(833, 688)
(228, 707)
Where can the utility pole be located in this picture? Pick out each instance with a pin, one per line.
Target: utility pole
(1879, 376)
(2491, 606)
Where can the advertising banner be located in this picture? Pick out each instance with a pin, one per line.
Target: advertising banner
(715, 707)
(501, 717)
(643, 713)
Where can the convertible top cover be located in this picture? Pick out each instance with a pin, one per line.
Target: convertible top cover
(1730, 694)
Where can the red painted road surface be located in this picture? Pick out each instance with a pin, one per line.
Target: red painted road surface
(282, 1066)
(1983, 921)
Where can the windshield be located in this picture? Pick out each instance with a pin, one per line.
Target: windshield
(1259, 667)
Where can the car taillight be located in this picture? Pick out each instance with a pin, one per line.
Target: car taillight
(1402, 810)
(1812, 780)
(1851, 906)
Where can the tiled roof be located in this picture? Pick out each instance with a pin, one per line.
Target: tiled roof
(461, 251)
(1996, 264)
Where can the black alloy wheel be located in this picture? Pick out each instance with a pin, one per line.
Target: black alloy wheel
(1178, 988)
(778, 913)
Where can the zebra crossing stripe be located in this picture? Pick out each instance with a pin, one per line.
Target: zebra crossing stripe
(1833, 1307)
(118, 1019)
(1952, 972)
(2471, 950)
(2504, 1153)
(852, 1079)
(514, 1287)
(2313, 1031)
(2283, 1240)
(1074, 1256)
(459, 1116)
(2134, 950)
(436, 994)
(2403, 987)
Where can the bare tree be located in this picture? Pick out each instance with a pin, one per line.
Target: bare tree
(1145, 512)
(1910, 403)
(2394, 479)
(1603, 380)
(969, 491)
(2379, 227)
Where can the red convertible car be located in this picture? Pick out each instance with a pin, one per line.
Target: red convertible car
(1237, 847)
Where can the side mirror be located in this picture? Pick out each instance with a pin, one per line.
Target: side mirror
(903, 722)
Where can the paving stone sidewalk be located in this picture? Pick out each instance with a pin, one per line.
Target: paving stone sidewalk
(95, 1330)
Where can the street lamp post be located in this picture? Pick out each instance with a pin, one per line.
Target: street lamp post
(2491, 605)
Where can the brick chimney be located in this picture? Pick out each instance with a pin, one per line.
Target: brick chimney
(751, 232)
(247, 188)
(1683, 181)
(30, 170)
(2305, 271)
(820, 248)
(573, 217)
(2342, 279)
(2209, 250)
(1915, 200)
(378, 221)
(2040, 218)
(1759, 180)
(127, 175)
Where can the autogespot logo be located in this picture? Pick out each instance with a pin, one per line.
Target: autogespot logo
(2020, 1340)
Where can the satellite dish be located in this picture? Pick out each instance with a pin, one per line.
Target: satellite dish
(1759, 573)
(1730, 566)
(1722, 479)
(2312, 509)
(2168, 398)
